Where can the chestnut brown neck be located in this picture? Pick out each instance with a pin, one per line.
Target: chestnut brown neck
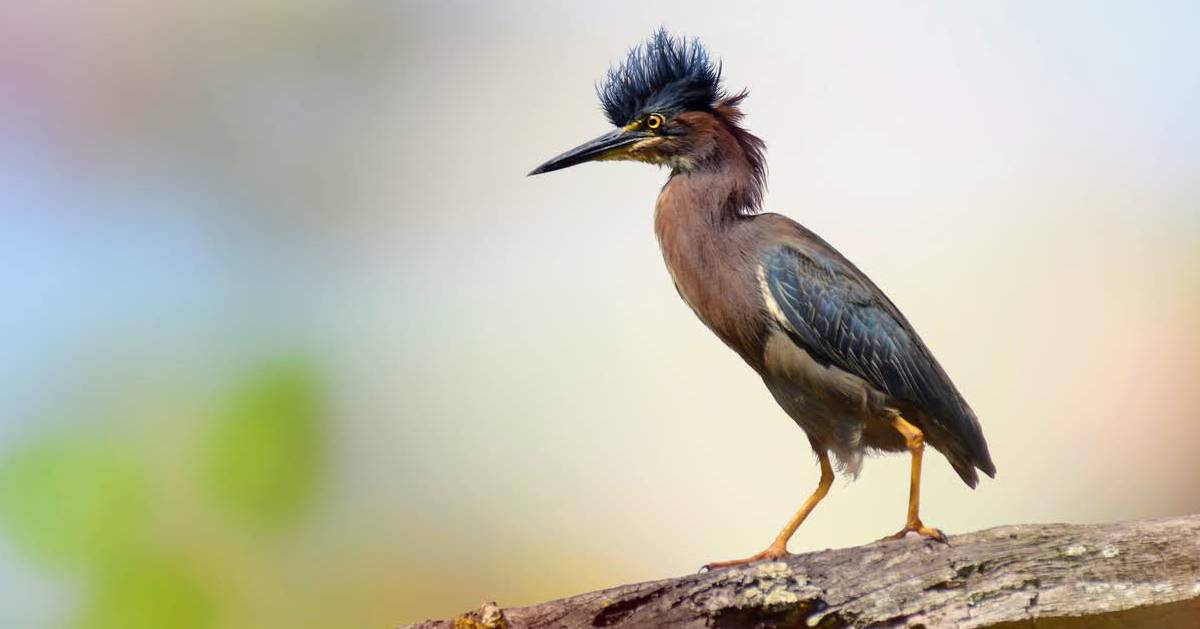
(721, 174)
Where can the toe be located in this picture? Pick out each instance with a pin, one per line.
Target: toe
(927, 532)
(770, 553)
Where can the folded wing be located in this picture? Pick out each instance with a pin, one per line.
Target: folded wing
(839, 317)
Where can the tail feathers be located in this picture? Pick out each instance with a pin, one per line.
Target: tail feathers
(966, 453)
(962, 442)
(985, 464)
(965, 458)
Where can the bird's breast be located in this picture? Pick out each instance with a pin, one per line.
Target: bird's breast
(715, 279)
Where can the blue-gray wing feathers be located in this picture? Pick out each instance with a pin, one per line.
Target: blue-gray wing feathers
(841, 319)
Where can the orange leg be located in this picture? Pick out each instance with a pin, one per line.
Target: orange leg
(778, 548)
(915, 440)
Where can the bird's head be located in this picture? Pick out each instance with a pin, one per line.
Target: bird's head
(667, 104)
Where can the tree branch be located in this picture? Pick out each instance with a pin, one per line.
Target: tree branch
(1130, 574)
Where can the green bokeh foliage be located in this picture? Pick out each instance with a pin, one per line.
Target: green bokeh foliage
(262, 453)
(91, 506)
(69, 501)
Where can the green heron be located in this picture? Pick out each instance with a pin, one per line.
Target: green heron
(833, 350)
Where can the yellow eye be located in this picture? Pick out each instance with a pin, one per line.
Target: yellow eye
(654, 121)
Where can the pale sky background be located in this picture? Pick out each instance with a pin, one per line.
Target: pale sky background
(521, 407)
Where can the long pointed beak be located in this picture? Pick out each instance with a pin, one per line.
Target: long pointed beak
(608, 146)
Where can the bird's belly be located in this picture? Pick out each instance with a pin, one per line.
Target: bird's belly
(838, 410)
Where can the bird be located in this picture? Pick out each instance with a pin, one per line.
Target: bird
(832, 349)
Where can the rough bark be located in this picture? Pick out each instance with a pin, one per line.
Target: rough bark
(1131, 574)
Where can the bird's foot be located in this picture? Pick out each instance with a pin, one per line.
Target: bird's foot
(774, 551)
(927, 532)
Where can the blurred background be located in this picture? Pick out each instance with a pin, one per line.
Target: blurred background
(289, 339)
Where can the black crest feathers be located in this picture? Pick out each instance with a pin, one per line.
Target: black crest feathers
(663, 74)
